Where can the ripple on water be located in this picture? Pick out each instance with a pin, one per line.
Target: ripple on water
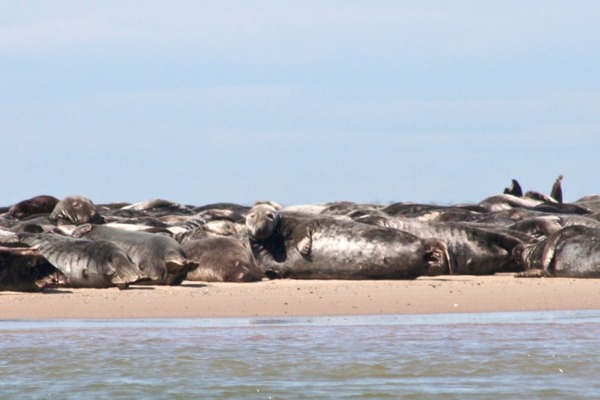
(491, 356)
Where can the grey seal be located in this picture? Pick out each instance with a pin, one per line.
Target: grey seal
(474, 250)
(301, 246)
(76, 210)
(161, 257)
(42, 204)
(23, 269)
(85, 263)
(573, 251)
(221, 259)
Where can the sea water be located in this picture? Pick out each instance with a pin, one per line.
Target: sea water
(491, 355)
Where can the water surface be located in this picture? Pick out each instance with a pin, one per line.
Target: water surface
(491, 355)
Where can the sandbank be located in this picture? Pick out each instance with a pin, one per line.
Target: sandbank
(288, 298)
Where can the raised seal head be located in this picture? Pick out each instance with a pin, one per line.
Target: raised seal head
(262, 221)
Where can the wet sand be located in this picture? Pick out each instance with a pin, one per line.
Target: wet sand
(443, 294)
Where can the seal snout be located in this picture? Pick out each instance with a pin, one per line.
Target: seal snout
(262, 221)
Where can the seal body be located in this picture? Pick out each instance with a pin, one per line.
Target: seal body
(545, 225)
(43, 204)
(221, 259)
(85, 263)
(76, 210)
(573, 251)
(161, 257)
(474, 250)
(300, 246)
(23, 269)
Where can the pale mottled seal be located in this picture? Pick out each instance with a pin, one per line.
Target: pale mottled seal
(432, 212)
(86, 263)
(508, 201)
(474, 250)
(76, 210)
(294, 245)
(160, 257)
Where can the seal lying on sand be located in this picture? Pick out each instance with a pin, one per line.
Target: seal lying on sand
(573, 251)
(301, 246)
(85, 263)
(161, 257)
(221, 259)
(76, 210)
(475, 250)
(23, 269)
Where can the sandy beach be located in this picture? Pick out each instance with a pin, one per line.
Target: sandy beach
(286, 298)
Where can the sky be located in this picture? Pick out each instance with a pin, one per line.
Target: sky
(306, 102)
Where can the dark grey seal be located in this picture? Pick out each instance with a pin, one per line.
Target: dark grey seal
(23, 269)
(161, 257)
(85, 263)
(301, 246)
(221, 259)
(573, 252)
(43, 204)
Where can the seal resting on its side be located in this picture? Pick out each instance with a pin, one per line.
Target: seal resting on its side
(85, 263)
(475, 250)
(23, 269)
(221, 259)
(300, 246)
(76, 210)
(573, 252)
(43, 204)
(161, 257)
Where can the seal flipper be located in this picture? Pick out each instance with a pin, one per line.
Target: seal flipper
(177, 269)
(514, 189)
(556, 192)
(82, 230)
(303, 241)
(533, 273)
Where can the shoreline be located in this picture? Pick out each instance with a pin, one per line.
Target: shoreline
(306, 298)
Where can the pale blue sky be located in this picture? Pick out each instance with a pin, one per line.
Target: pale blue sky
(298, 102)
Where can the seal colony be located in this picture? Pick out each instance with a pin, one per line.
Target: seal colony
(50, 243)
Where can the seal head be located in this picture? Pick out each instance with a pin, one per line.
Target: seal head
(262, 221)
